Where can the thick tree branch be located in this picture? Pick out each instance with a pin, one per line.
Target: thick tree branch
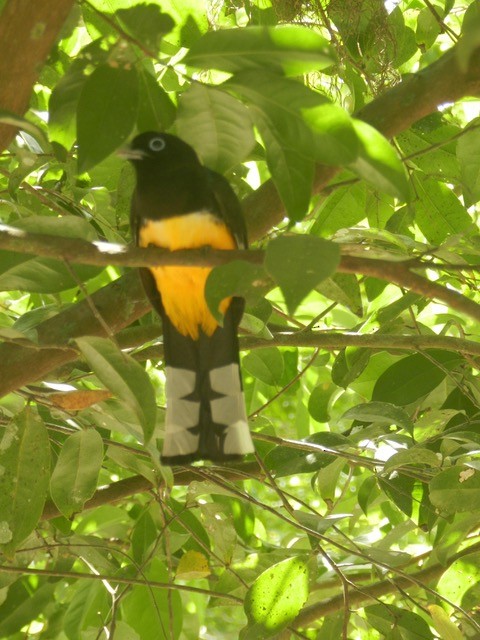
(28, 31)
(138, 484)
(355, 597)
(104, 254)
(119, 303)
(394, 111)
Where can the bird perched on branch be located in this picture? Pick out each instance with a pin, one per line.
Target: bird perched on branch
(180, 204)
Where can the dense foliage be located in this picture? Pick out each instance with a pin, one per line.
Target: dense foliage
(359, 515)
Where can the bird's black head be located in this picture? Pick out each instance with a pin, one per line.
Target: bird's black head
(154, 148)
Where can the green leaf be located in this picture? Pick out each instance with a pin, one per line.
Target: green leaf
(236, 278)
(468, 153)
(276, 104)
(442, 623)
(25, 465)
(156, 112)
(289, 460)
(218, 126)
(74, 479)
(319, 400)
(428, 25)
(125, 378)
(382, 412)
(298, 263)
(265, 365)
(395, 622)
(275, 599)
(439, 213)
(412, 457)
(413, 377)
(89, 601)
(431, 142)
(62, 108)
(456, 490)
(149, 612)
(378, 163)
(26, 606)
(289, 49)
(146, 23)
(106, 113)
(461, 577)
(343, 208)
(335, 137)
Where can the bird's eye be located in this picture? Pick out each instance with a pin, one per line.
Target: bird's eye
(157, 144)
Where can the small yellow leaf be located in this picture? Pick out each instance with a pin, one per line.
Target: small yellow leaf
(192, 566)
(78, 400)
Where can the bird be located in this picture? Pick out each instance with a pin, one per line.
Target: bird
(178, 203)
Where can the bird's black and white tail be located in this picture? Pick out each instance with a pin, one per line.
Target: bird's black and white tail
(206, 418)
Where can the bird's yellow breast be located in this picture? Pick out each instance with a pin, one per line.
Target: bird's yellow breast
(182, 288)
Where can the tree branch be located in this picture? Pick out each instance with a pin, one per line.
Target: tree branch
(355, 597)
(394, 111)
(28, 31)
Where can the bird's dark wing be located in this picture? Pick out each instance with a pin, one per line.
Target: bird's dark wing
(229, 207)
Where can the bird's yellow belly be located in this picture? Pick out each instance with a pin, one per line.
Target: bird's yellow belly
(182, 288)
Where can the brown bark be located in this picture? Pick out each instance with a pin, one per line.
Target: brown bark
(396, 110)
(28, 30)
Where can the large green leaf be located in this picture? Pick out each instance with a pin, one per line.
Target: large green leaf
(265, 365)
(343, 208)
(156, 111)
(276, 104)
(456, 490)
(335, 138)
(146, 23)
(106, 113)
(289, 460)
(152, 614)
(74, 479)
(62, 109)
(413, 377)
(22, 607)
(378, 163)
(382, 412)
(217, 125)
(298, 263)
(275, 599)
(289, 49)
(25, 464)
(125, 378)
(439, 213)
(394, 622)
(236, 278)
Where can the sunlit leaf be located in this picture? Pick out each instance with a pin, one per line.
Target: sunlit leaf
(275, 599)
(74, 478)
(294, 50)
(456, 490)
(378, 163)
(217, 125)
(298, 263)
(124, 377)
(25, 464)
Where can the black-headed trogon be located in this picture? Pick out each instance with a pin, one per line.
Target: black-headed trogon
(180, 204)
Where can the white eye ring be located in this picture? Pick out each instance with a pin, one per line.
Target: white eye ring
(157, 144)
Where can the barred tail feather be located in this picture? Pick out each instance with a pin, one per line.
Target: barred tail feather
(206, 418)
